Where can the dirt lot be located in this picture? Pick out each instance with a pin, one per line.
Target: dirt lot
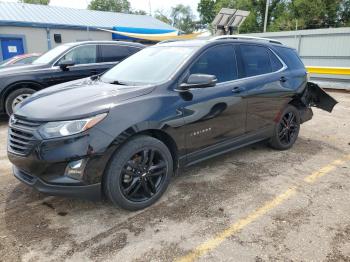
(255, 204)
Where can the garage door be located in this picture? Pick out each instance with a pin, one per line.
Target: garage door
(11, 47)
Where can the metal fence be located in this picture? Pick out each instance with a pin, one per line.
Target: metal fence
(320, 48)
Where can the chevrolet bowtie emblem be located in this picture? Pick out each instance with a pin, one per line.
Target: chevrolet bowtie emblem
(13, 120)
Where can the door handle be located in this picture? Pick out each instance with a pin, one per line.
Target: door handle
(283, 79)
(94, 72)
(238, 89)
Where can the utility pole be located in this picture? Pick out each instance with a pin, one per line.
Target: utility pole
(150, 7)
(266, 14)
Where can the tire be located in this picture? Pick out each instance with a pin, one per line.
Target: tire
(15, 97)
(287, 129)
(130, 180)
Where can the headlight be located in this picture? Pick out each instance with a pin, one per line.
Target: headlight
(67, 128)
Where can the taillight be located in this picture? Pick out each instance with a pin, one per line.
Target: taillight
(308, 76)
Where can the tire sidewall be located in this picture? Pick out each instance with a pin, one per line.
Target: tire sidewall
(276, 143)
(12, 96)
(117, 162)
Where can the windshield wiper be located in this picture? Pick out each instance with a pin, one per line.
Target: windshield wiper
(116, 82)
(95, 77)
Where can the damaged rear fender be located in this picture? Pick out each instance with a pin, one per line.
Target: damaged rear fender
(313, 95)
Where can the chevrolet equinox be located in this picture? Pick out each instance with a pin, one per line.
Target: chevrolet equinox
(123, 134)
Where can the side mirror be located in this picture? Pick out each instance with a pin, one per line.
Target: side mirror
(65, 64)
(198, 81)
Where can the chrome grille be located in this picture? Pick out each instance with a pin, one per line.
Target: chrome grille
(21, 138)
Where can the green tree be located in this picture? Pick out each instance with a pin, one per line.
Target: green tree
(122, 6)
(255, 21)
(345, 13)
(283, 14)
(138, 12)
(183, 18)
(160, 15)
(316, 13)
(38, 2)
(206, 9)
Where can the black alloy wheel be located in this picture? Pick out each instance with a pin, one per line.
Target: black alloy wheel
(143, 174)
(287, 129)
(138, 173)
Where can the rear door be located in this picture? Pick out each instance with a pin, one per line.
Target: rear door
(264, 80)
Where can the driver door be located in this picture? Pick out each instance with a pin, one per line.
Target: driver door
(214, 115)
(85, 64)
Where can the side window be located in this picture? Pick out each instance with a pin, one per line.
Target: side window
(25, 61)
(133, 50)
(256, 60)
(219, 61)
(114, 53)
(81, 55)
(275, 62)
(290, 57)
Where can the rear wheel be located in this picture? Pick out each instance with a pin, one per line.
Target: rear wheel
(287, 129)
(16, 97)
(139, 173)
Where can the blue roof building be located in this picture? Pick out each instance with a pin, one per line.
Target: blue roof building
(37, 28)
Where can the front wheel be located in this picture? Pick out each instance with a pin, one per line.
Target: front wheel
(139, 173)
(16, 97)
(287, 129)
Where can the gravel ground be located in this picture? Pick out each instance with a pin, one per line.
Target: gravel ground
(313, 224)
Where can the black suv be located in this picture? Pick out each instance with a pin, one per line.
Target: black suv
(125, 133)
(64, 63)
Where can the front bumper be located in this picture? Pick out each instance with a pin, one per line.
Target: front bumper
(91, 192)
(47, 164)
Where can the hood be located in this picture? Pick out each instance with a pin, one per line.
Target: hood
(20, 69)
(77, 99)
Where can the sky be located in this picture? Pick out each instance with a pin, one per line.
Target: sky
(164, 5)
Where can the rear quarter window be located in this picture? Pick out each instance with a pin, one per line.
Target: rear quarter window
(290, 57)
(275, 62)
(134, 50)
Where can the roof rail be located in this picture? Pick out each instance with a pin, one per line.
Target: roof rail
(169, 41)
(221, 37)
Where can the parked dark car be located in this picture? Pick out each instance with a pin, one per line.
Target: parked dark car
(64, 63)
(17, 60)
(125, 133)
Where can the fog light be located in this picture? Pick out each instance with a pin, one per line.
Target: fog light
(75, 169)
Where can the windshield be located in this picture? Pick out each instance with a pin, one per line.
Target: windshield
(51, 54)
(152, 65)
(3, 63)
